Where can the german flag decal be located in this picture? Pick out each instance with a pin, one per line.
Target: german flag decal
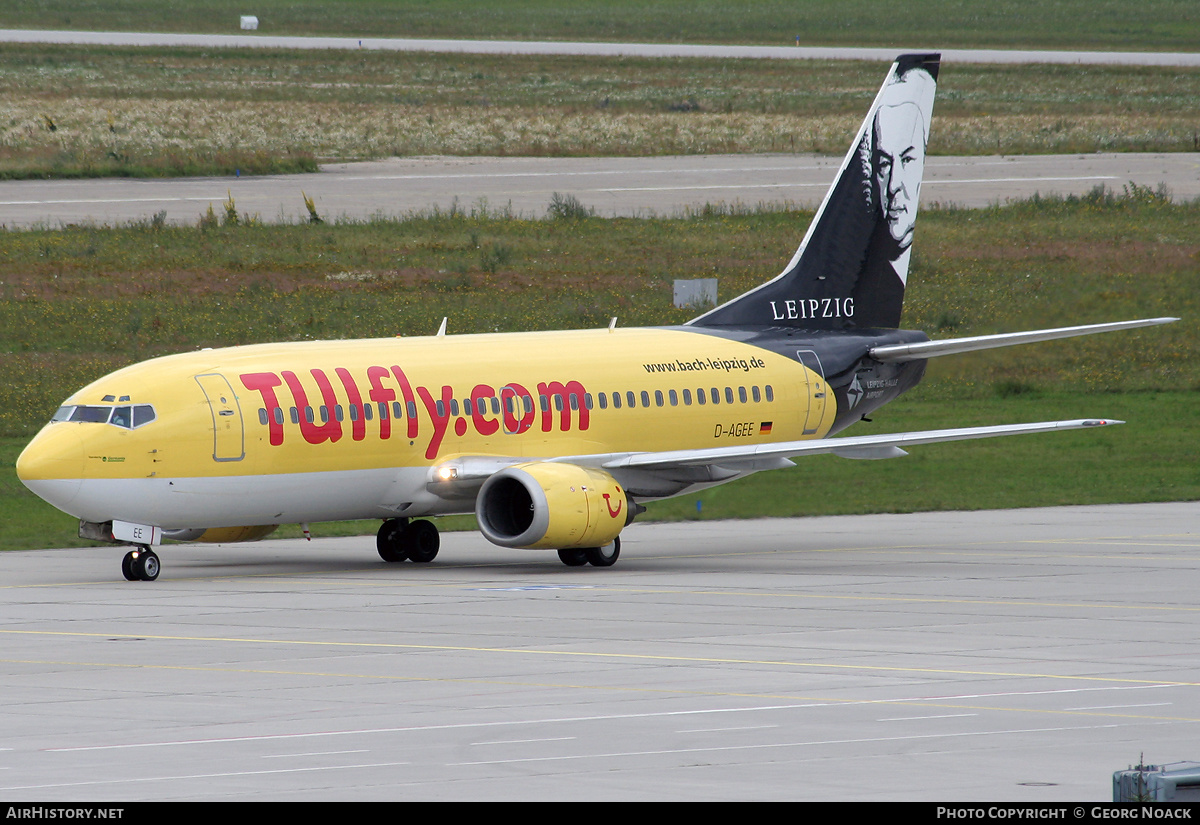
(764, 428)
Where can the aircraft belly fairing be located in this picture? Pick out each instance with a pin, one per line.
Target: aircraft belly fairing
(238, 500)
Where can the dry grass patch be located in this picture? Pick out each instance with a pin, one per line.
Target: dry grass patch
(103, 111)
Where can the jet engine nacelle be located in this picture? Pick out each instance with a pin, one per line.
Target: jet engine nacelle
(549, 505)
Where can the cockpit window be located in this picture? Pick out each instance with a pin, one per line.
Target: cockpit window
(97, 415)
(126, 416)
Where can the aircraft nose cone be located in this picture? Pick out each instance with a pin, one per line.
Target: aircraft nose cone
(52, 465)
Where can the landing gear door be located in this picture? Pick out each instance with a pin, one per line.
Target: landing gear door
(817, 390)
(228, 429)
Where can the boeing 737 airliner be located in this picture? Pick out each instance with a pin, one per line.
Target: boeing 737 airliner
(549, 445)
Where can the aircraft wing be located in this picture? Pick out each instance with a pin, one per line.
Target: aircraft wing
(953, 346)
(863, 446)
(462, 476)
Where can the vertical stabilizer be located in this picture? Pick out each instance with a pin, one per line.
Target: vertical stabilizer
(852, 266)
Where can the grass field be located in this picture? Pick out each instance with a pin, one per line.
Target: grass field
(1077, 24)
(76, 111)
(76, 303)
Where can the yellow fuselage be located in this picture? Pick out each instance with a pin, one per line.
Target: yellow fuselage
(351, 429)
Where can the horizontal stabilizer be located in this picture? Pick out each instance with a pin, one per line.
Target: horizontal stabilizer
(864, 446)
(893, 353)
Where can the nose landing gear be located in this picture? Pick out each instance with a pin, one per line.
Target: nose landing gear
(140, 564)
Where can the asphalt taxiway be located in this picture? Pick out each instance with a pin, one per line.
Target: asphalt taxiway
(1011, 655)
(264, 40)
(610, 186)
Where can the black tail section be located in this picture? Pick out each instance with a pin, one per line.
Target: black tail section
(851, 267)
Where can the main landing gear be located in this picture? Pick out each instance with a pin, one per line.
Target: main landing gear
(140, 564)
(399, 539)
(605, 556)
